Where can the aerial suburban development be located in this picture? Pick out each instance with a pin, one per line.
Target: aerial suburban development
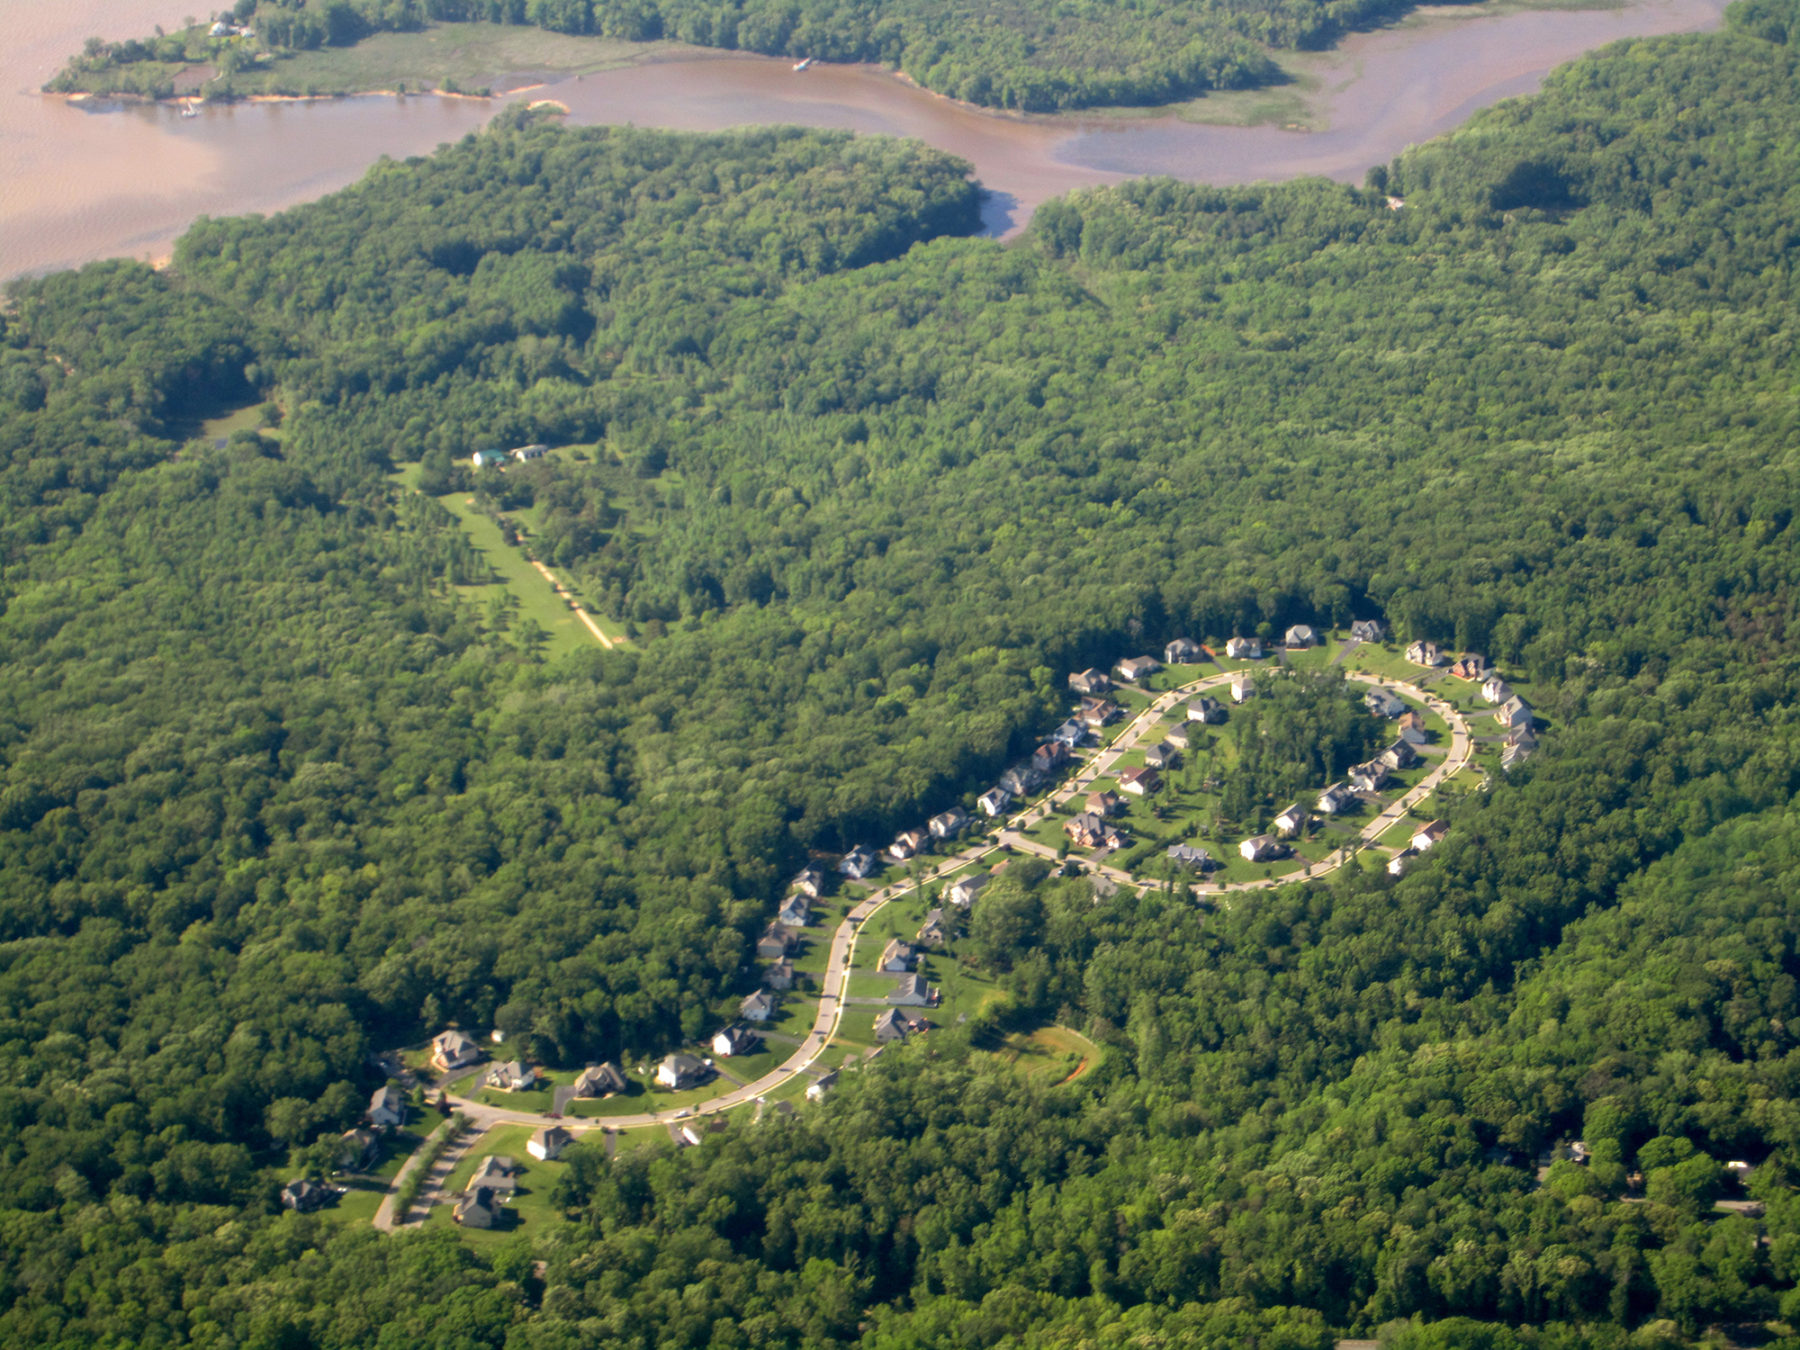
(785, 676)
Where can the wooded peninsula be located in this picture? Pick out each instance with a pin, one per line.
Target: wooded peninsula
(1028, 55)
(294, 778)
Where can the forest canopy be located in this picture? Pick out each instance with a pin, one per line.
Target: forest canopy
(275, 793)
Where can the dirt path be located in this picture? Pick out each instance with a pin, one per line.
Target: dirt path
(564, 593)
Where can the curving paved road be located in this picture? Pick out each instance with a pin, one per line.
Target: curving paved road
(841, 960)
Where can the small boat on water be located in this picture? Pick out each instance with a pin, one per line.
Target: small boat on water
(803, 63)
(190, 109)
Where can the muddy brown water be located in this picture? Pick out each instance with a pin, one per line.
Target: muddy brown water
(79, 182)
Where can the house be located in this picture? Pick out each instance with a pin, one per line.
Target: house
(1090, 830)
(1135, 668)
(1049, 757)
(1368, 630)
(1400, 755)
(1335, 800)
(1521, 743)
(1244, 649)
(1471, 666)
(1105, 803)
(1243, 686)
(933, 932)
(1204, 709)
(680, 1071)
(1384, 703)
(1301, 635)
(513, 1076)
(1185, 735)
(809, 881)
(1140, 782)
(1428, 835)
(963, 890)
(452, 1050)
(735, 1040)
(1398, 863)
(1290, 822)
(857, 863)
(1412, 728)
(477, 1209)
(1262, 848)
(1085, 830)
(484, 459)
(780, 975)
(387, 1107)
(911, 990)
(1514, 713)
(1495, 690)
(1095, 713)
(1162, 755)
(498, 1173)
(303, 1195)
(795, 911)
(1070, 734)
(824, 1083)
(891, 1026)
(949, 824)
(1183, 652)
(1425, 654)
(358, 1150)
(776, 942)
(908, 844)
(548, 1143)
(526, 453)
(897, 957)
(994, 801)
(600, 1080)
(1021, 779)
(1370, 777)
(757, 1007)
(1186, 855)
(1091, 682)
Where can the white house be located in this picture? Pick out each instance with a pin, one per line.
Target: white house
(949, 824)
(1425, 654)
(994, 801)
(1136, 668)
(1244, 649)
(1428, 835)
(1243, 686)
(963, 890)
(1290, 822)
(547, 1144)
(1334, 799)
(1301, 635)
(1495, 690)
(679, 1071)
(734, 1041)
(387, 1106)
(1261, 848)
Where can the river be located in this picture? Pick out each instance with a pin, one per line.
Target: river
(79, 183)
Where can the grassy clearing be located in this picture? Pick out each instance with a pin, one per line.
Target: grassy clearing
(465, 57)
(1049, 1055)
(529, 1209)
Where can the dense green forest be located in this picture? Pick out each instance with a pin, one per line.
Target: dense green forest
(1024, 54)
(274, 795)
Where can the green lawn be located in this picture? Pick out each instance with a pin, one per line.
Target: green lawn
(530, 1208)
